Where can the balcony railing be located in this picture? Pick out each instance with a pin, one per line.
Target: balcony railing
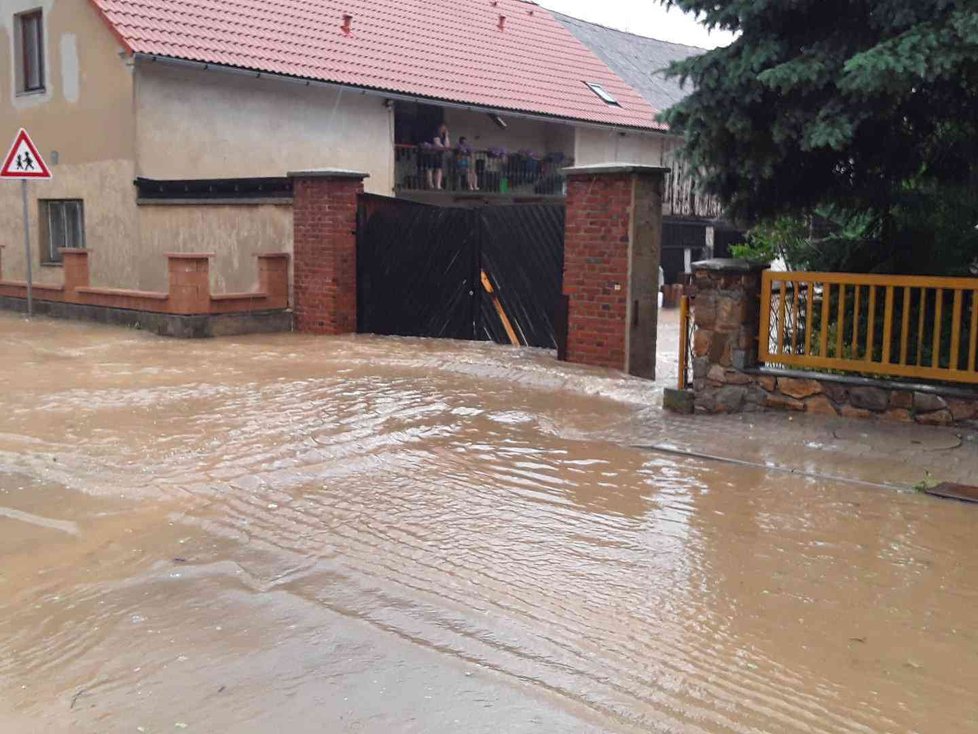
(486, 171)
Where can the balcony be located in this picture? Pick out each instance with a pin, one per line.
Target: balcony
(521, 174)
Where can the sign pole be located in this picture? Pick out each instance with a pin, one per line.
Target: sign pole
(27, 249)
(24, 162)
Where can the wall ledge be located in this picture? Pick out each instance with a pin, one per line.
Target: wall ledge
(615, 168)
(729, 265)
(122, 292)
(934, 388)
(329, 173)
(257, 201)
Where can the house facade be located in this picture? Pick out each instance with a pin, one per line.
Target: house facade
(171, 126)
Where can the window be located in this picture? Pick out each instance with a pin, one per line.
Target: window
(62, 225)
(603, 93)
(30, 52)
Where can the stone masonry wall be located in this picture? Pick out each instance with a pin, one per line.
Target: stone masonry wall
(726, 378)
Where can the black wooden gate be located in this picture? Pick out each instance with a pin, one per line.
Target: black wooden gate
(487, 273)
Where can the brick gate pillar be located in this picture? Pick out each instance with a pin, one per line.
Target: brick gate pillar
(324, 222)
(612, 245)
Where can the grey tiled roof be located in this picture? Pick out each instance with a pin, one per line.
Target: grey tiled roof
(638, 60)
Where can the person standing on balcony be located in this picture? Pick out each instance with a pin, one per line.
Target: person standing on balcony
(466, 171)
(442, 143)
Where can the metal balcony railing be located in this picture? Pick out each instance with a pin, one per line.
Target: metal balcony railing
(495, 171)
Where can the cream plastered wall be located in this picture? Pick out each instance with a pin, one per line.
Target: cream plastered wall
(594, 146)
(213, 124)
(234, 233)
(83, 123)
(209, 124)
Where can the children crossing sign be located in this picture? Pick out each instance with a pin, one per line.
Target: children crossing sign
(23, 161)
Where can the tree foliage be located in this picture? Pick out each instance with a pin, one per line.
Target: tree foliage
(933, 233)
(851, 104)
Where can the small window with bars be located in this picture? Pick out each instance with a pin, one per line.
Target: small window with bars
(62, 225)
(30, 52)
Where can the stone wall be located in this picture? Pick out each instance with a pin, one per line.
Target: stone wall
(728, 379)
(729, 390)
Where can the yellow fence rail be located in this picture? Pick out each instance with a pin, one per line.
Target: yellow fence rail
(877, 325)
(685, 343)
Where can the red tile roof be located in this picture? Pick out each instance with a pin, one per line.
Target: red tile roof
(450, 50)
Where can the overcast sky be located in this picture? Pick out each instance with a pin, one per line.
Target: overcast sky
(645, 17)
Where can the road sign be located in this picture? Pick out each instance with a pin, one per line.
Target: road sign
(23, 161)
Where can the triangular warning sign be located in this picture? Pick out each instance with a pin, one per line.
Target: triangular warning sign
(23, 160)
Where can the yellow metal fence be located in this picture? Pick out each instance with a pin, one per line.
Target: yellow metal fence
(876, 325)
(685, 342)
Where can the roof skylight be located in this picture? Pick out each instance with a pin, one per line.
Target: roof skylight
(603, 93)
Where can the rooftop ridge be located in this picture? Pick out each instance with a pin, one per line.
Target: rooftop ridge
(575, 19)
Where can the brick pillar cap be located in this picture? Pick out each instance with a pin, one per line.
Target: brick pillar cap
(730, 265)
(69, 250)
(283, 255)
(614, 168)
(329, 173)
(189, 255)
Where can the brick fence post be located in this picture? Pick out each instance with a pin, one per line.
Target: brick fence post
(190, 282)
(324, 221)
(612, 250)
(76, 272)
(273, 278)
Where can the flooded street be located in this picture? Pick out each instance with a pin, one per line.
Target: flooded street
(288, 533)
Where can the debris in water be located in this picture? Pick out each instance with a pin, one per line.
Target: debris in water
(950, 491)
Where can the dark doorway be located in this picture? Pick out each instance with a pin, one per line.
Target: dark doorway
(725, 238)
(491, 273)
(416, 123)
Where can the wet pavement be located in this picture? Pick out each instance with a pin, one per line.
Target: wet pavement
(285, 533)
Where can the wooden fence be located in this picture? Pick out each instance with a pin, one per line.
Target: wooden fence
(874, 325)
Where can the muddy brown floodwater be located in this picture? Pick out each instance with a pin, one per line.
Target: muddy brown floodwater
(291, 534)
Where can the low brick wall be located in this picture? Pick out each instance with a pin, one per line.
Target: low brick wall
(188, 298)
(728, 379)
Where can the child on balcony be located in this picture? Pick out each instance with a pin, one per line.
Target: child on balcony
(466, 170)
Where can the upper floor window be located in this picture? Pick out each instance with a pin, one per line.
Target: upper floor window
(30, 51)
